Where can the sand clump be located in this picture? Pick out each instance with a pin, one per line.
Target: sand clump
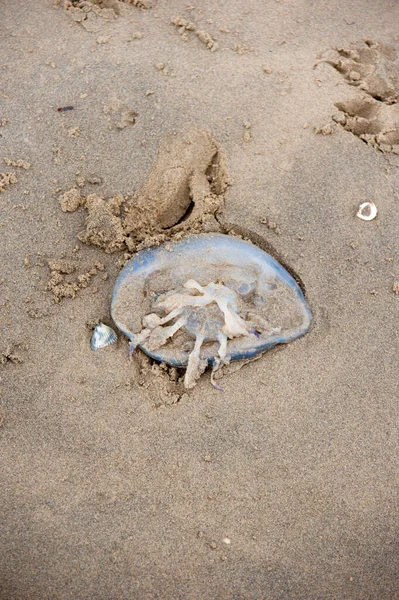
(185, 27)
(9, 177)
(103, 223)
(163, 384)
(6, 179)
(184, 192)
(271, 225)
(20, 163)
(70, 200)
(61, 286)
(92, 14)
(80, 10)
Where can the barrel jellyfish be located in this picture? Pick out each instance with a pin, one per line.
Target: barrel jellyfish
(206, 300)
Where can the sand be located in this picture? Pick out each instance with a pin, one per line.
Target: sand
(183, 194)
(116, 483)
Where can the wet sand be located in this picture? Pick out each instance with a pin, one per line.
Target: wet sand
(115, 486)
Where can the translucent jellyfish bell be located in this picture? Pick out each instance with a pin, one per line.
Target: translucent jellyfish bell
(207, 300)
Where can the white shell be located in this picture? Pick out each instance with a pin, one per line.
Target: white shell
(102, 336)
(367, 211)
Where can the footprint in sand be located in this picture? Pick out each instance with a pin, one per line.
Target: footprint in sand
(374, 116)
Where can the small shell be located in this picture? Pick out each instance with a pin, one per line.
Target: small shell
(102, 336)
(367, 211)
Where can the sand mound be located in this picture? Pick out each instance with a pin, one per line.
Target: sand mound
(184, 192)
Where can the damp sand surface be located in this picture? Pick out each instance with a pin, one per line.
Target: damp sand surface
(239, 117)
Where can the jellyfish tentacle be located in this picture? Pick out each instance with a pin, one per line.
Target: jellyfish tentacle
(160, 335)
(217, 363)
(222, 339)
(191, 284)
(180, 305)
(176, 301)
(195, 366)
(234, 324)
(137, 339)
(153, 320)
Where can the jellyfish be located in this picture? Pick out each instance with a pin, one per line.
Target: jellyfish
(207, 300)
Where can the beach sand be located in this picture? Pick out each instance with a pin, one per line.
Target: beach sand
(117, 484)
